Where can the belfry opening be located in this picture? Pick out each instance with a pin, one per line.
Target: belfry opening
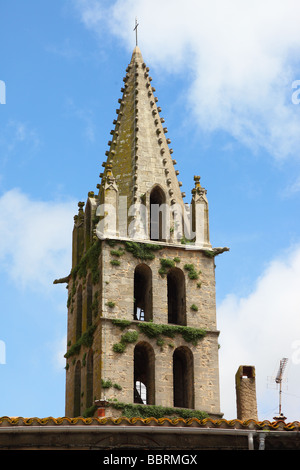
(176, 296)
(183, 378)
(142, 293)
(144, 374)
(158, 219)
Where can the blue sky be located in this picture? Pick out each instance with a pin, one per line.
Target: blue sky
(223, 73)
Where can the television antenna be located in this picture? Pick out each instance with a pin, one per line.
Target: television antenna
(278, 380)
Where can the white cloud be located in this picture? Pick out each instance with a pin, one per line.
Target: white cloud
(36, 239)
(260, 330)
(57, 350)
(91, 11)
(18, 138)
(240, 60)
(293, 188)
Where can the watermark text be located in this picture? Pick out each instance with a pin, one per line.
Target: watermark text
(296, 93)
(2, 352)
(2, 92)
(161, 222)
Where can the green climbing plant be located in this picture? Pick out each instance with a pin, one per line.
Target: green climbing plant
(130, 336)
(192, 273)
(86, 340)
(131, 410)
(88, 261)
(158, 332)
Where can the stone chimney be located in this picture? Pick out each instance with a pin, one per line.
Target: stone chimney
(246, 393)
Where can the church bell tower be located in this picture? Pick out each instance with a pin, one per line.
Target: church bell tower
(141, 292)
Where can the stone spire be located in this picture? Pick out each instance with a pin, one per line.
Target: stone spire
(139, 155)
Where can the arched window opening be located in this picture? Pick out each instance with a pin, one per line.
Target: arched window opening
(79, 313)
(89, 379)
(176, 297)
(87, 223)
(144, 374)
(143, 293)
(89, 301)
(77, 389)
(158, 225)
(183, 378)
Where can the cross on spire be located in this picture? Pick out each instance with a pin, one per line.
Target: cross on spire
(136, 34)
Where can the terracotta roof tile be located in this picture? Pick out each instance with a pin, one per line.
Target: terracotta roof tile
(208, 423)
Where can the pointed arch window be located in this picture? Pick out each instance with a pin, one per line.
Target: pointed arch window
(143, 293)
(176, 296)
(158, 216)
(183, 378)
(144, 374)
(89, 379)
(79, 313)
(89, 301)
(77, 389)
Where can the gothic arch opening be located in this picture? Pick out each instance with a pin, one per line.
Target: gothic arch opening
(89, 301)
(77, 389)
(176, 296)
(89, 379)
(87, 223)
(157, 214)
(144, 374)
(143, 293)
(183, 378)
(79, 312)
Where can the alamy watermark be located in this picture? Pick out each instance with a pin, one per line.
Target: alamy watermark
(163, 223)
(2, 352)
(2, 92)
(296, 93)
(296, 353)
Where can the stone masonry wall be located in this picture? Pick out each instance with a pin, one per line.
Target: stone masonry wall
(118, 284)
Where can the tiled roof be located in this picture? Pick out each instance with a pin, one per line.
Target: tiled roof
(207, 423)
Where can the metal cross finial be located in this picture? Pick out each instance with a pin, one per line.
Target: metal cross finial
(135, 29)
